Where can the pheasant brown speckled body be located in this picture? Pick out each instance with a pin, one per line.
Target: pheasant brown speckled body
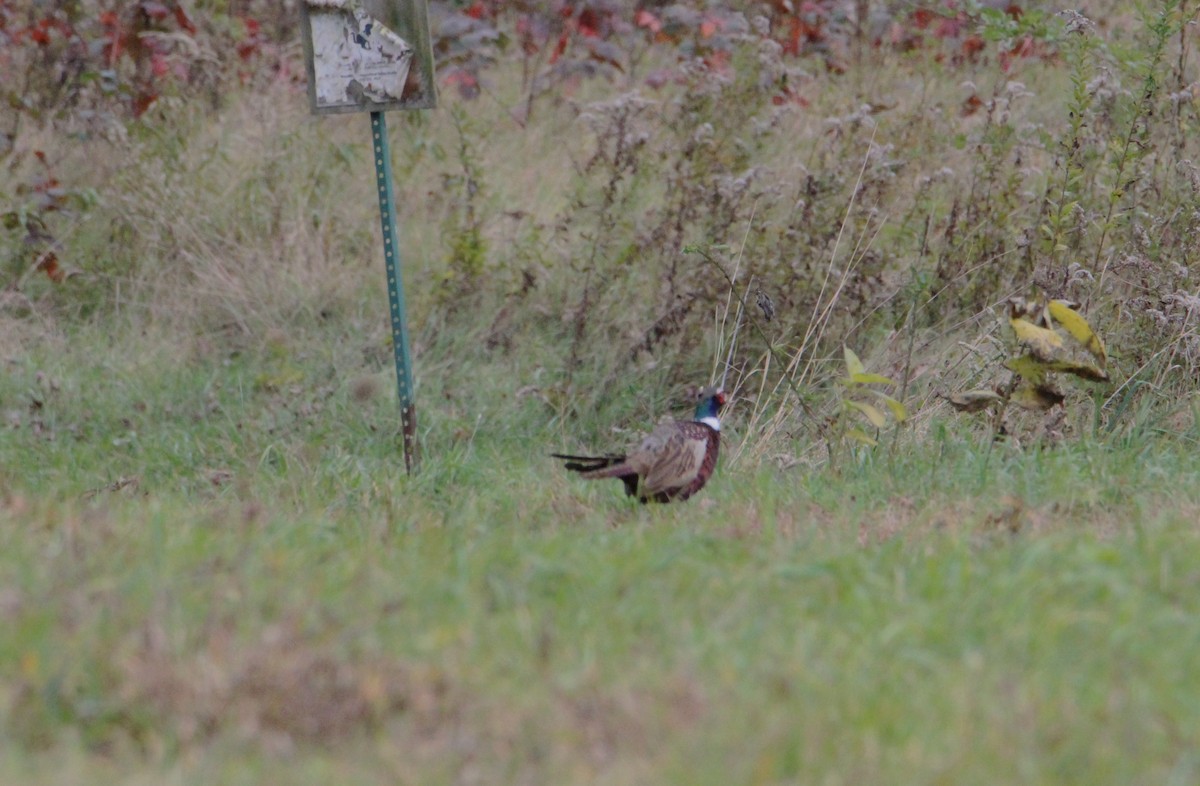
(672, 463)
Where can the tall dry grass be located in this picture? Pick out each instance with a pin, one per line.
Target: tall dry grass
(597, 249)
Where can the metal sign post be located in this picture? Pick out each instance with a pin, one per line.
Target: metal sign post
(372, 56)
(391, 260)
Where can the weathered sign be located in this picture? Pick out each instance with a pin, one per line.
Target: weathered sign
(367, 55)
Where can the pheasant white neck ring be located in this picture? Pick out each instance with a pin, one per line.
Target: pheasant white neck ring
(711, 422)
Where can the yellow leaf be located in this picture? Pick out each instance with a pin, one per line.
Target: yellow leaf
(1041, 341)
(1027, 367)
(899, 412)
(853, 364)
(870, 379)
(974, 400)
(1036, 397)
(1079, 329)
(873, 414)
(858, 435)
(1082, 370)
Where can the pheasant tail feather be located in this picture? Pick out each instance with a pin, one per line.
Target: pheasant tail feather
(587, 464)
(592, 467)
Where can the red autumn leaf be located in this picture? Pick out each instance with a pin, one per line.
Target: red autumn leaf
(183, 20)
(972, 45)
(143, 102)
(252, 25)
(532, 34)
(718, 62)
(158, 65)
(1023, 48)
(48, 264)
(464, 81)
(947, 28)
(559, 48)
(795, 33)
(647, 20)
(788, 95)
(458, 76)
(589, 24)
(476, 11)
(971, 105)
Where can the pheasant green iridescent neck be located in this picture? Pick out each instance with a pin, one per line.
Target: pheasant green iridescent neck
(708, 409)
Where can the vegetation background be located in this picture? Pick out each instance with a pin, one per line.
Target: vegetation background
(213, 567)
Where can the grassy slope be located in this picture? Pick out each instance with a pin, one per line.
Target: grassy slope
(213, 568)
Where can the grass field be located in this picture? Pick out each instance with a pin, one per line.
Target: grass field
(214, 569)
(202, 584)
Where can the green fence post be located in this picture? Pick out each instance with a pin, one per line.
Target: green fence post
(391, 258)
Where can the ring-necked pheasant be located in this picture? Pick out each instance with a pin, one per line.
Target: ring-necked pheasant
(674, 462)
